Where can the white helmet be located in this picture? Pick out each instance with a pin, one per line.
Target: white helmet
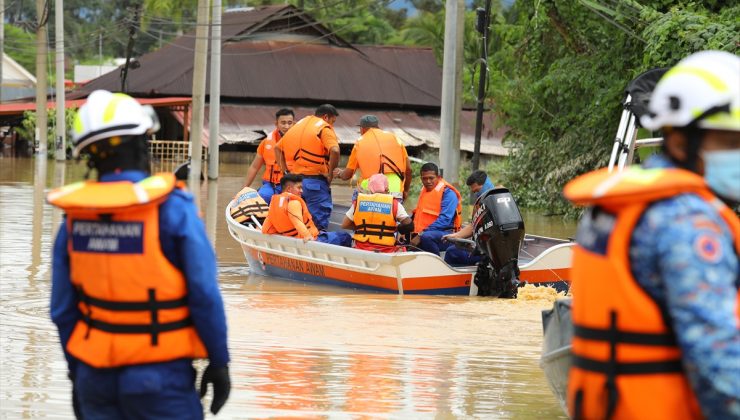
(702, 89)
(105, 115)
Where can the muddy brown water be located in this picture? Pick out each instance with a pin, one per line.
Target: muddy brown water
(298, 351)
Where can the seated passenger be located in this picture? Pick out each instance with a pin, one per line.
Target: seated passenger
(248, 206)
(458, 257)
(479, 183)
(289, 216)
(437, 212)
(373, 218)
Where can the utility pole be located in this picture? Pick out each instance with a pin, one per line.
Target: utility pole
(214, 115)
(2, 45)
(483, 26)
(42, 16)
(61, 126)
(449, 151)
(199, 96)
(130, 45)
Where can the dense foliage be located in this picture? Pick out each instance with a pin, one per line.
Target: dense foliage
(559, 70)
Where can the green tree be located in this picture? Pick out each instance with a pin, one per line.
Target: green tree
(20, 46)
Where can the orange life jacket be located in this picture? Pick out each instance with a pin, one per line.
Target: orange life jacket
(375, 219)
(626, 363)
(278, 221)
(303, 150)
(248, 203)
(429, 206)
(380, 152)
(273, 173)
(133, 300)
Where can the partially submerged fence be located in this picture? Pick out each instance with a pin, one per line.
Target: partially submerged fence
(169, 154)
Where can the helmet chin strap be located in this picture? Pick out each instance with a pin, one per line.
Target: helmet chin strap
(131, 154)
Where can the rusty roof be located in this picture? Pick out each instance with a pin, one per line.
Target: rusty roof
(244, 124)
(279, 54)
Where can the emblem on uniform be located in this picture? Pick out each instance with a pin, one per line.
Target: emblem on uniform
(708, 248)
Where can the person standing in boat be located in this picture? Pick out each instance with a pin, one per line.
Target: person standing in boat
(266, 156)
(378, 152)
(288, 215)
(656, 273)
(377, 217)
(134, 290)
(437, 212)
(310, 148)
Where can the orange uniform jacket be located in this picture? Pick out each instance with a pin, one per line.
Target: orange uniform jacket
(133, 300)
(379, 152)
(266, 149)
(626, 363)
(278, 221)
(303, 149)
(430, 205)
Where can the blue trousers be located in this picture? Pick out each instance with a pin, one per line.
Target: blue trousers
(431, 241)
(335, 238)
(317, 195)
(267, 190)
(153, 391)
(458, 257)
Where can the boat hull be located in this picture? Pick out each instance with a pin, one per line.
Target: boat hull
(402, 273)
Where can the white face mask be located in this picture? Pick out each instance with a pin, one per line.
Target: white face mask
(722, 172)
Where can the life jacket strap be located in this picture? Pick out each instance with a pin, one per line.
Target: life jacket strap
(137, 328)
(152, 305)
(247, 210)
(635, 368)
(130, 305)
(624, 337)
(371, 229)
(300, 154)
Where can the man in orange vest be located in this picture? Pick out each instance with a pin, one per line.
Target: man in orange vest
(437, 212)
(288, 215)
(134, 292)
(378, 152)
(376, 217)
(655, 275)
(266, 156)
(310, 148)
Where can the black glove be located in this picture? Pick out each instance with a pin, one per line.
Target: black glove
(219, 377)
(75, 399)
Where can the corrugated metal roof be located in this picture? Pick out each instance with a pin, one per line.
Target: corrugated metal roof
(260, 66)
(243, 123)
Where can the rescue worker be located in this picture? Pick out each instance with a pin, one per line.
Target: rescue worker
(479, 183)
(289, 216)
(266, 156)
(310, 148)
(134, 292)
(373, 218)
(437, 212)
(655, 273)
(378, 152)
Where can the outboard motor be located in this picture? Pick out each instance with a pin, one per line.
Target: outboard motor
(498, 231)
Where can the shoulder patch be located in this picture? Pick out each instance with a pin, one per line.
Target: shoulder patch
(708, 248)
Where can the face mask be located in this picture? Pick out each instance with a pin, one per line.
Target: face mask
(722, 172)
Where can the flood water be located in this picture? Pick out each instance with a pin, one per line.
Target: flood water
(298, 351)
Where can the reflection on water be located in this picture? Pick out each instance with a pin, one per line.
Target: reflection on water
(298, 350)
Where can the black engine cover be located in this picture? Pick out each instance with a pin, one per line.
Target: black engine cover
(498, 230)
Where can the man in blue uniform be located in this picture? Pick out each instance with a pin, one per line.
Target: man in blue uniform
(682, 251)
(479, 183)
(119, 369)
